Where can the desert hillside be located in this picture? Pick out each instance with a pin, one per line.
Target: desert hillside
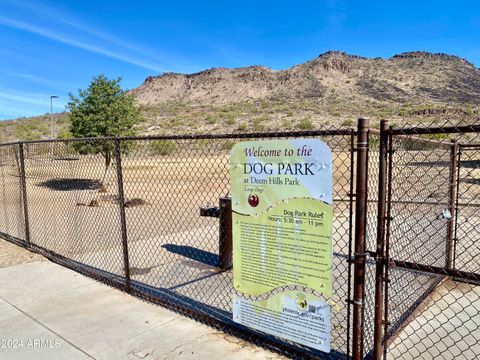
(330, 90)
(409, 77)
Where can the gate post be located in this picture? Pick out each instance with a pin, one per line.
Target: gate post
(452, 182)
(380, 251)
(360, 229)
(23, 188)
(225, 242)
(121, 203)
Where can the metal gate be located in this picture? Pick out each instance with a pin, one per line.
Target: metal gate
(424, 307)
(466, 251)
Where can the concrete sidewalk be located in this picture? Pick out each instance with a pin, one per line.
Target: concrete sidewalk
(50, 312)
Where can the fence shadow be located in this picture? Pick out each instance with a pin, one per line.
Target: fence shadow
(190, 252)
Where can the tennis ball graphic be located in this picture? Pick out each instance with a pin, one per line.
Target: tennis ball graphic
(253, 200)
(301, 303)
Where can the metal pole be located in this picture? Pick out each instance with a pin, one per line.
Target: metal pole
(457, 193)
(121, 202)
(380, 254)
(451, 202)
(389, 219)
(23, 188)
(351, 196)
(51, 115)
(360, 227)
(225, 245)
(51, 122)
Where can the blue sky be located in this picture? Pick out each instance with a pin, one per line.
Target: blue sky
(55, 47)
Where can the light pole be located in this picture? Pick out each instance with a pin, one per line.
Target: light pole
(51, 123)
(51, 115)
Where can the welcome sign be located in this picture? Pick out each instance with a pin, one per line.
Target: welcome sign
(282, 230)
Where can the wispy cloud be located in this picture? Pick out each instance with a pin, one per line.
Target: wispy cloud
(30, 98)
(49, 83)
(159, 60)
(14, 104)
(62, 17)
(20, 25)
(337, 13)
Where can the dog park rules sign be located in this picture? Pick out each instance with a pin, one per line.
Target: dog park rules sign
(282, 238)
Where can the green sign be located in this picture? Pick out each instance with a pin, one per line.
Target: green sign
(282, 225)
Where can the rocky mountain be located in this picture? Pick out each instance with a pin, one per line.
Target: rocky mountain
(331, 90)
(408, 77)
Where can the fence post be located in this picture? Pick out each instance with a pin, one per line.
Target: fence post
(23, 188)
(351, 196)
(457, 194)
(451, 202)
(225, 245)
(360, 229)
(380, 251)
(121, 202)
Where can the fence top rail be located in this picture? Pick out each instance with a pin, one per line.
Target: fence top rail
(289, 134)
(436, 130)
(470, 146)
(446, 144)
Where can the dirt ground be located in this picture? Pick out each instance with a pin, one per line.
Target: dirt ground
(171, 247)
(11, 254)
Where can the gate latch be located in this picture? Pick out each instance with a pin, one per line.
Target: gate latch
(444, 215)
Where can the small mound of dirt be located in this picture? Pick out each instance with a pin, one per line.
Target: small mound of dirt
(94, 203)
(113, 200)
(135, 202)
(103, 188)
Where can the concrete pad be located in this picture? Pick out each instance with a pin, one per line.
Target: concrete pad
(23, 338)
(73, 317)
(445, 326)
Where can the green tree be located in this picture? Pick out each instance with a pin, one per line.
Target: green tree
(102, 110)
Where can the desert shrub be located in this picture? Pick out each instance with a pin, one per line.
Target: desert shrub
(162, 147)
(287, 124)
(32, 130)
(212, 119)
(373, 141)
(334, 111)
(242, 127)
(258, 126)
(227, 144)
(419, 143)
(305, 124)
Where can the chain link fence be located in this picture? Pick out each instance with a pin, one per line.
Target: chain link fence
(127, 212)
(145, 214)
(432, 295)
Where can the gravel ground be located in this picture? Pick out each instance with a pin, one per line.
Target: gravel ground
(11, 254)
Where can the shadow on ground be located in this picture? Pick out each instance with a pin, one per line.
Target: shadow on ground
(190, 252)
(71, 184)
